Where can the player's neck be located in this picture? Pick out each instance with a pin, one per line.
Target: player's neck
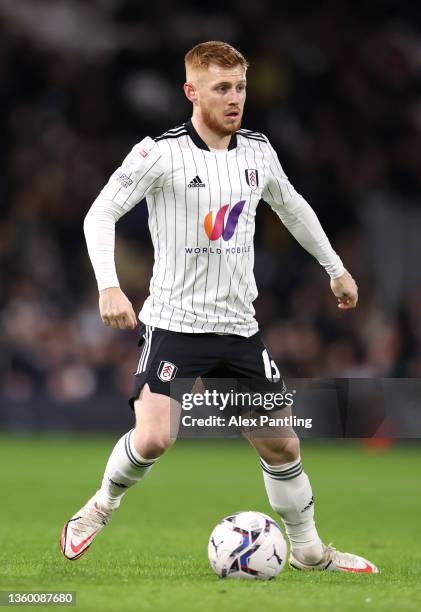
(211, 138)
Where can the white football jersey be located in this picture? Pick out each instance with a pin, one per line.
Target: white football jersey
(202, 206)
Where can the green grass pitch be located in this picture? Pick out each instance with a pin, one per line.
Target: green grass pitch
(153, 554)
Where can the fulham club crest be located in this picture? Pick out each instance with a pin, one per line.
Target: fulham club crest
(252, 178)
(166, 371)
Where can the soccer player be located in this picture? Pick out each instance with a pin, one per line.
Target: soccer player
(202, 182)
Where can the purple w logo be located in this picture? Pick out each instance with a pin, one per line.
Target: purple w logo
(216, 230)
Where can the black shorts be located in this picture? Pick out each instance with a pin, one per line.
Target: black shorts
(170, 362)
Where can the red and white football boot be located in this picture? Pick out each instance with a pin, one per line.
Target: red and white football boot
(78, 533)
(336, 561)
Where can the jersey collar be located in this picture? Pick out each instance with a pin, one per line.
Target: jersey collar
(201, 143)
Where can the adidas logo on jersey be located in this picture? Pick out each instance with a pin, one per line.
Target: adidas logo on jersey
(196, 182)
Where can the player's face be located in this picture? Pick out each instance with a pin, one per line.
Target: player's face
(221, 97)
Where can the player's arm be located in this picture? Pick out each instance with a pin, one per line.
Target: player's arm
(301, 220)
(140, 173)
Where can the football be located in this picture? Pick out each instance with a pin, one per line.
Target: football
(247, 545)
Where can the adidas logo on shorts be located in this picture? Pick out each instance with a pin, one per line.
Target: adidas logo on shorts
(196, 182)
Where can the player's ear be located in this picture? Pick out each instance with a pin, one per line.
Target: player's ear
(191, 92)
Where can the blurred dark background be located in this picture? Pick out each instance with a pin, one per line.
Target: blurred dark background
(337, 88)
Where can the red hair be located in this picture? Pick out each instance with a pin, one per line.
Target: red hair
(214, 52)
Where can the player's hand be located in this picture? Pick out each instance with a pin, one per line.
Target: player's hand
(116, 310)
(346, 290)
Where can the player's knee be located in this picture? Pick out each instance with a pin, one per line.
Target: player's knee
(152, 445)
(281, 450)
(290, 450)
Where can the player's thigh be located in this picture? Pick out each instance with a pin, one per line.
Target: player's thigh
(275, 443)
(157, 419)
(250, 362)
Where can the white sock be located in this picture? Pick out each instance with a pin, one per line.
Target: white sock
(290, 495)
(125, 468)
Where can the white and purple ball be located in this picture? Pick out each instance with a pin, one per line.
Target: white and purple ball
(247, 545)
